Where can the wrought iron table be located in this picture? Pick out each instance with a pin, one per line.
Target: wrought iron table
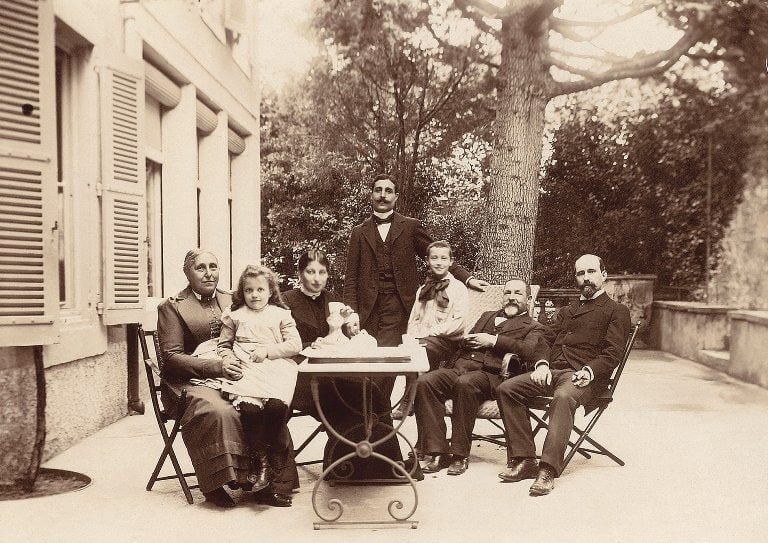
(365, 371)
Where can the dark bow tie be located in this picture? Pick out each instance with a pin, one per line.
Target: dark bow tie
(434, 288)
(385, 220)
(206, 299)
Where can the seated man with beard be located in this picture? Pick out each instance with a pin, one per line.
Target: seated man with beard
(587, 342)
(471, 375)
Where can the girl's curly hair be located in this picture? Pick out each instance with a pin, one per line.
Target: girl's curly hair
(251, 270)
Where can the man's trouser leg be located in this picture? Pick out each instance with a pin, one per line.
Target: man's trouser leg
(432, 389)
(566, 398)
(469, 391)
(512, 396)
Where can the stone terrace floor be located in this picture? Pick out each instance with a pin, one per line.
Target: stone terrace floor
(695, 443)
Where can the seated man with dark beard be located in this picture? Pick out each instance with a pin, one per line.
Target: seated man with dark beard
(471, 375)
(587, 340)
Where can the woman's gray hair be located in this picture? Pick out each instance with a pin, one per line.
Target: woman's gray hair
(191, 256)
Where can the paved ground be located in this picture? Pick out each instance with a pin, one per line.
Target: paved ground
(695, 442)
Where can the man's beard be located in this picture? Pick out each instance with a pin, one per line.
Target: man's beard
(588, 290)
(511, 309)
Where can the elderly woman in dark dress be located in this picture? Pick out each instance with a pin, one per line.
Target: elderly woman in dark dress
(309, 307)
(216, 435)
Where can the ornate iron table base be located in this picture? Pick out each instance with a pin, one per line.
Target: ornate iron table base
(399, 514)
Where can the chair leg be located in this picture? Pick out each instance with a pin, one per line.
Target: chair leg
(306, 442)
(584, 436)
(168, 452)
(541, 424)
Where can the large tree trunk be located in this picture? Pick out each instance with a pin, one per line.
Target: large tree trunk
(509, 224)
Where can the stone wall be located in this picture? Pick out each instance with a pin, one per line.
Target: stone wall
(86, 395)
(687, 328)
(636, 292)
(729, 340)
(749, 345)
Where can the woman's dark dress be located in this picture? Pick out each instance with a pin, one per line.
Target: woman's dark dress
(219, 440)
(310, 316)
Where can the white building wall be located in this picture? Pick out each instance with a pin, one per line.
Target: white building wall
(88, 360)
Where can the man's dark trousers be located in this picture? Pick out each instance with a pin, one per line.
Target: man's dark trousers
(468, 386)
(566, 398)
(469, 379)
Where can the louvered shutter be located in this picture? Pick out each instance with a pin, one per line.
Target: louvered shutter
(121, 84)
(236, 15)
(28, 260)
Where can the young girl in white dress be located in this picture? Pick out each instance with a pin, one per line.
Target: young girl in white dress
(258, 337)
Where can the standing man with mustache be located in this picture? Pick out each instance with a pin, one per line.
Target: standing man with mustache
(471, 375)
(588, 340)
(381, 278)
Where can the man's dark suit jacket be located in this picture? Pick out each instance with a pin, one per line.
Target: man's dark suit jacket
(521, 335)
(594, 334)
(183, 324)
(409, 242)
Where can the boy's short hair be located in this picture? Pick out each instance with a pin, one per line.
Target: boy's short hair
(441, 243)
(386, 176)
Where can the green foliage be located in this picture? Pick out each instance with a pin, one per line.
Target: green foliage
(632, 189)
(384, 96)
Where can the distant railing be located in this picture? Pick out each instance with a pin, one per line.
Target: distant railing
(673, 293)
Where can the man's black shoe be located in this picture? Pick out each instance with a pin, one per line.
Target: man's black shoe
(544, 482)
(275, 499)
(412, 466)
(521, 468)
(437, 462)
(458, 466)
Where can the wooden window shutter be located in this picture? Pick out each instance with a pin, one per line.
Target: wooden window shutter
(236, 15)
(124, 208)
(29, 297)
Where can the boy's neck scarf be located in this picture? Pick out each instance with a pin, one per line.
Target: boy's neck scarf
(434, 288)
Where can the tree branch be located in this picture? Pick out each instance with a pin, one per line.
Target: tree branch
(473, 15)
(645, 66)
(632, 12)
(607, 57)
(482, 59)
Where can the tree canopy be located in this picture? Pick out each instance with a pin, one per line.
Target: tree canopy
(451, 97)
(633, 187)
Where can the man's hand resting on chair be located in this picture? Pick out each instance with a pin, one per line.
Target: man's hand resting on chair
(477, 284)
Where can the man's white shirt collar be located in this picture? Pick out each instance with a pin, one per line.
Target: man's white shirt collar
(598, 293)
(383, 228)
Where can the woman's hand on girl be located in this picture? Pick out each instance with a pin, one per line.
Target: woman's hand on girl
(232, 369)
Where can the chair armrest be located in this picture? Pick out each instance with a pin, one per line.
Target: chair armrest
(505, 362)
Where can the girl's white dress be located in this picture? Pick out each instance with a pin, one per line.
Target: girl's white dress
(272, 327)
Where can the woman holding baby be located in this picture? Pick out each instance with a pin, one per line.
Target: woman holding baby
(309, 305)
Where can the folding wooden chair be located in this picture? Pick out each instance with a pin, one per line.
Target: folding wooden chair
(489, 410)
(308, 440)
(593, 410)
(152, 366)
